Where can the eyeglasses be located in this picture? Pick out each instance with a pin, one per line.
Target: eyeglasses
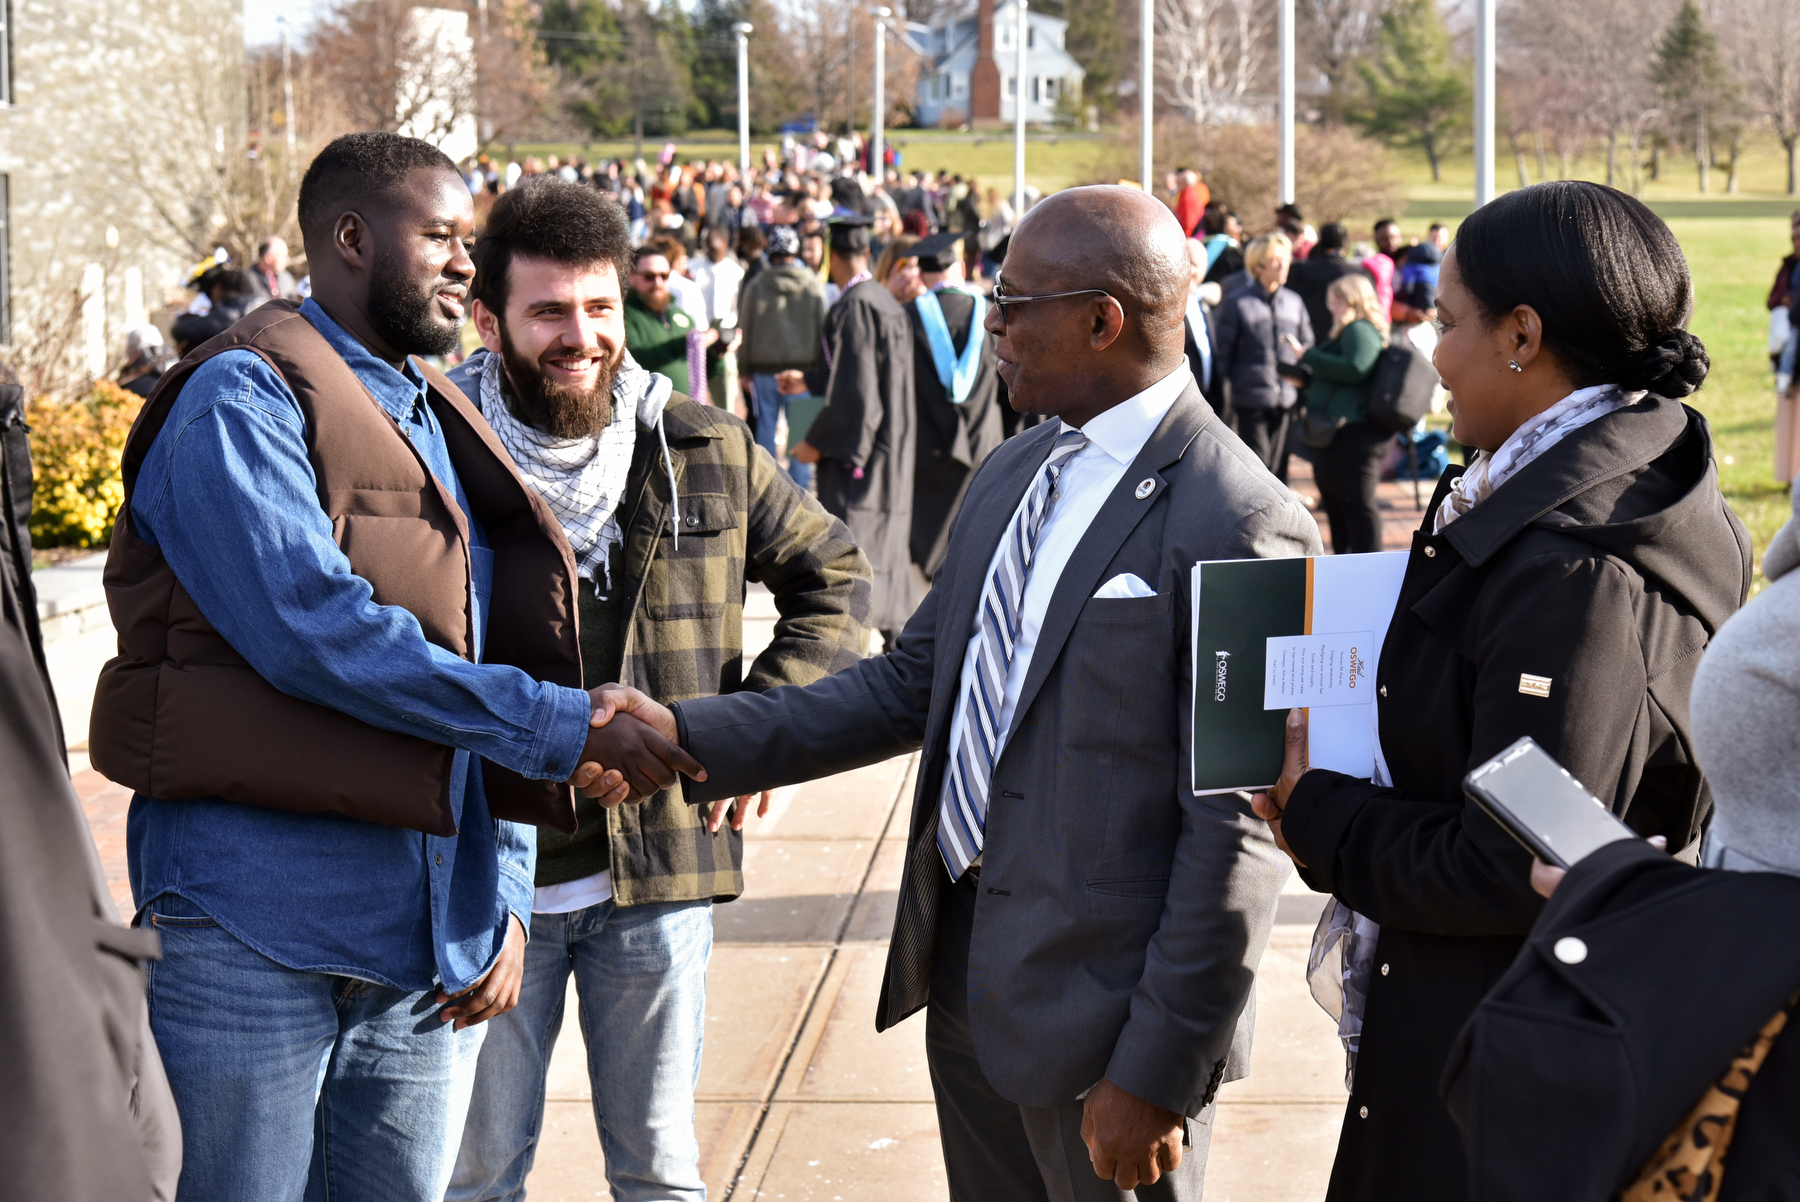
(1002, 299)
(655, 275)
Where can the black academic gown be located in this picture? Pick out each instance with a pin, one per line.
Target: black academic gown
(864, 436)
(953, 439)
(1212, 383)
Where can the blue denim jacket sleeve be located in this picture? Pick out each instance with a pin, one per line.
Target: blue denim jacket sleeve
(516, 845)
(229, 495)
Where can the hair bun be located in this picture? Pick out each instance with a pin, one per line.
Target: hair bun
(1673, 368)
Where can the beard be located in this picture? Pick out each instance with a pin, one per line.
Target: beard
(559, 410)
(408, 318)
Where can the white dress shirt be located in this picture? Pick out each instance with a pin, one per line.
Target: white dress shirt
(689, 298)
(719, 283)
(1114, 440)
(1197, 319)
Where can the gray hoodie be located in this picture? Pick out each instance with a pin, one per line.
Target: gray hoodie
(1746, 716)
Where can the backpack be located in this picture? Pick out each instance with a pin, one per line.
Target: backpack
(1400, 387)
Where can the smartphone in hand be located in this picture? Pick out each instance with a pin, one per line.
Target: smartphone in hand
(1537, 802)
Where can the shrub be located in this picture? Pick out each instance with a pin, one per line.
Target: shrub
(1338, 172)
(76, 446)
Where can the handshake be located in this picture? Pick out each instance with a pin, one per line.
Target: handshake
(633, 752)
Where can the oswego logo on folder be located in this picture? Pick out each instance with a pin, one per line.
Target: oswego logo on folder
(1272, 634)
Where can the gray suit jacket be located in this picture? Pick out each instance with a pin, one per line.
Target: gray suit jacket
(1120, 918)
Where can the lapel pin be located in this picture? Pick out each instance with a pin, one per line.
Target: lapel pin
(1146, 488)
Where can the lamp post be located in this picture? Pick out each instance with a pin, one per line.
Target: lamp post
(287, 93)
(1286, 33)
(878, 119)
(1019, 69)
(1146, 90)
(1484, 101)
(743, 29)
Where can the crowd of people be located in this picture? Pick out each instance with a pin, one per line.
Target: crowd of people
(435, 704)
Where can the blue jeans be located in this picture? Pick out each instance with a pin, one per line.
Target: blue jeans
(640, 977)
(770, 405)
(300, 1086)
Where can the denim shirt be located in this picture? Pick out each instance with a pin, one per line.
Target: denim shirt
(228, 494)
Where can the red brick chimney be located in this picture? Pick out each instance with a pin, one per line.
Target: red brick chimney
(984, 76)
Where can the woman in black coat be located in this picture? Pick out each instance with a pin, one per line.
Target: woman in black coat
(1562, 587)
(1256, 327)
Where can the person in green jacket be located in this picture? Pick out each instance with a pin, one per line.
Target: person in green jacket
(1348, 470)
(656, 329)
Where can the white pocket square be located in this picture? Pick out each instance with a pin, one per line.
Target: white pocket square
(1125, 585)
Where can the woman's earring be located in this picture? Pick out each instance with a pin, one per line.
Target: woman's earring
(1514, 364)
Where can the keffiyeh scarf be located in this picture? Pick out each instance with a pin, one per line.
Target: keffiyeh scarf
(584, 479)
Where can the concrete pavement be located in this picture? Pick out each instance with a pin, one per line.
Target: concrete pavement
(799, 1098)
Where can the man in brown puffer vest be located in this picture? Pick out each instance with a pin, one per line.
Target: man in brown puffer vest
(334, 750)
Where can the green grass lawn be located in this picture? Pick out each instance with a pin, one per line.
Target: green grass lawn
(1052, 161)
(1733, 260)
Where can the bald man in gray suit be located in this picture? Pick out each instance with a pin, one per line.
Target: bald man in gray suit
(1081, 929)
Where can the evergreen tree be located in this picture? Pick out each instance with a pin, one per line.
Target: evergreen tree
(1417, 91)
(1698, 92)
(1094, 41)
(714, 62)
(627, 67)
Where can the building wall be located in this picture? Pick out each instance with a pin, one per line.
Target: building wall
(948, 88)
(105, 96)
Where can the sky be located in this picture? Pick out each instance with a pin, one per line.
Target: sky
(260, 17)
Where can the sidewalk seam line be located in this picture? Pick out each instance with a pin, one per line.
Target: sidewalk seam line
(737, 1177)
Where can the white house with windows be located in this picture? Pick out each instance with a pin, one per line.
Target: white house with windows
(954, 43)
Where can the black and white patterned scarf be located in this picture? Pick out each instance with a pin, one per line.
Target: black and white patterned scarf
(1488, 472)
(584, 479)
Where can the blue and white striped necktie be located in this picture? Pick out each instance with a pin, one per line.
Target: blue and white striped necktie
(963, 808)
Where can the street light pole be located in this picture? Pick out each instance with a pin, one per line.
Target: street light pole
(878, 120)
(1019, 118)
(1146, 89)
(287, 94)
(1484, 101)
(743, 30)
(1286, 170)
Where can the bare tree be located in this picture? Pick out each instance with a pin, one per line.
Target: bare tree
(1212, 55)
(1583, 71)
(202, 181)
(1762, 44)
(391, 70)
(515, 87)
(1334, 34)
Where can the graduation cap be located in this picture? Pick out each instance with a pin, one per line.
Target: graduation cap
(850, 234)
(938, 252)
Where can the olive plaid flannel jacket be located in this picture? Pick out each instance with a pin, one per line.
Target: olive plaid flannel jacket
(740, 519)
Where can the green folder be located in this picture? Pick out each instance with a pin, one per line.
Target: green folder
(1339, 608)
(802, 411)
(1239, 606)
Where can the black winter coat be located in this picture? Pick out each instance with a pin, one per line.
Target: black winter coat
(1603, 566)
(1569, 1076)
(1312, 277)
(953, 440)
(1247, 329)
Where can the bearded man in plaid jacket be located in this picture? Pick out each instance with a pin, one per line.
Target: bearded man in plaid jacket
(670, 508)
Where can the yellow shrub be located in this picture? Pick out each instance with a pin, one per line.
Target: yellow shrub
(75, 451)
